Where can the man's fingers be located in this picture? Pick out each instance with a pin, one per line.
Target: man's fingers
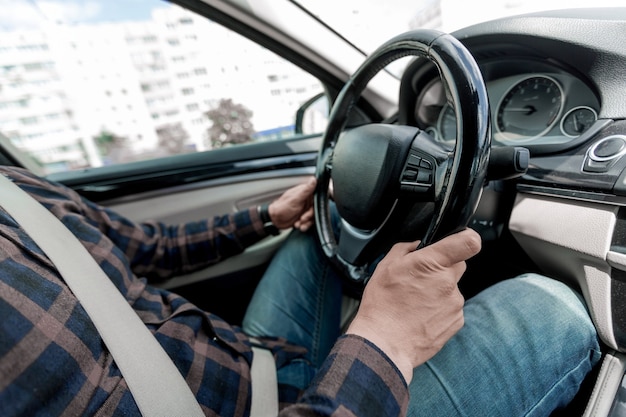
(307, 216)
(454, 248)
(309, 185)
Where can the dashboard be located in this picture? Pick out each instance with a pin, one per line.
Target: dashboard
(530, 104)
(556, 86)
(556, 82)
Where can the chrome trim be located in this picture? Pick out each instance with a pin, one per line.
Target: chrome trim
(587, 196)
(592, 150)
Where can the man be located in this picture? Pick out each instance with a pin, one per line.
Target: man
(513, 356)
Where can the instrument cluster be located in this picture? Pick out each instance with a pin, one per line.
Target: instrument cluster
(526, 108)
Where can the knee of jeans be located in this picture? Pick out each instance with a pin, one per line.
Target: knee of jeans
(298, 247)
(545, 288)
(553, 300)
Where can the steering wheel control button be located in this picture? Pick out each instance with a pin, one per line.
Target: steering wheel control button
(410, 175)
(417, 176)
(604, 153)
(426, 164)
(414, 160)
(424, 177)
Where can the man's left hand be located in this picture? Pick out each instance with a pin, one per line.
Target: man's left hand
(295, 207)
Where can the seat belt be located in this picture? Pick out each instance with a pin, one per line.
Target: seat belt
(157, 386)
(154, 381)
(264, 402)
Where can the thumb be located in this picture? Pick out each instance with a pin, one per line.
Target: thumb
(310, 184)
(454, 248)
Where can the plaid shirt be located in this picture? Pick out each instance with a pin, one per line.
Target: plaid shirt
(53, 362)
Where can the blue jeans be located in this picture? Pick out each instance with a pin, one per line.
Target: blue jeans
(525, 348)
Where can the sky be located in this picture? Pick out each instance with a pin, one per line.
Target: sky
(373, 20)
(31, 13)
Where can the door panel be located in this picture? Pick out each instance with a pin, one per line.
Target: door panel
(182, 204)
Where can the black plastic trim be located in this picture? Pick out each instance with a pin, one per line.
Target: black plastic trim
(618, 307)
(561, 147)
(105, 183)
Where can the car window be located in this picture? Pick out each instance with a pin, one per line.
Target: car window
(83, 85)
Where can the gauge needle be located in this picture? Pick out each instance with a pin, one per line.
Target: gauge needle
(576, 127)
(526, 109)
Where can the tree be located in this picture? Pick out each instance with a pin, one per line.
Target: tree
(231, 124)
(112, 147)
(173, 139)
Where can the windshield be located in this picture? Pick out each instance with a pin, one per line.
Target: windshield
(369, 23)
(364, 23)
(99, 82)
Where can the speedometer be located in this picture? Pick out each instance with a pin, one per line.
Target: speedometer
(530, 108)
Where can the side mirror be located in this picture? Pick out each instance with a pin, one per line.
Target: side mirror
(312, 116)
(11, 155)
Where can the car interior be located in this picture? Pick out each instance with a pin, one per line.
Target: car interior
(513, 127)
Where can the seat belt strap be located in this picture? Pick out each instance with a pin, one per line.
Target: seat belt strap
(264, 383)
(154, 381)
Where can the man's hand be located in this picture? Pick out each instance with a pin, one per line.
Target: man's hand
(295, 207)
(412, 304)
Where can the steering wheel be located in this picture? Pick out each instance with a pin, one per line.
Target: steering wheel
(393, 182)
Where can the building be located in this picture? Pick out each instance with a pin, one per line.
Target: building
(68, 89)
(35, 110)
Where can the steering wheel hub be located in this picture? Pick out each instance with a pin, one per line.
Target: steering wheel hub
(367, 163)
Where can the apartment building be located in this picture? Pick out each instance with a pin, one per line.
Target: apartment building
(35, 110)
(64, 85)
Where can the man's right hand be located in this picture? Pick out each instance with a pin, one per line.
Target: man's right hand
(412, 304)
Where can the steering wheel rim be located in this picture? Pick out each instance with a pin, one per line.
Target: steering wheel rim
(458, 175)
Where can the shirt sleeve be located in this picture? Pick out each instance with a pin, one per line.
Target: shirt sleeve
(155, 250)
(357, 379)
(158, 251)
